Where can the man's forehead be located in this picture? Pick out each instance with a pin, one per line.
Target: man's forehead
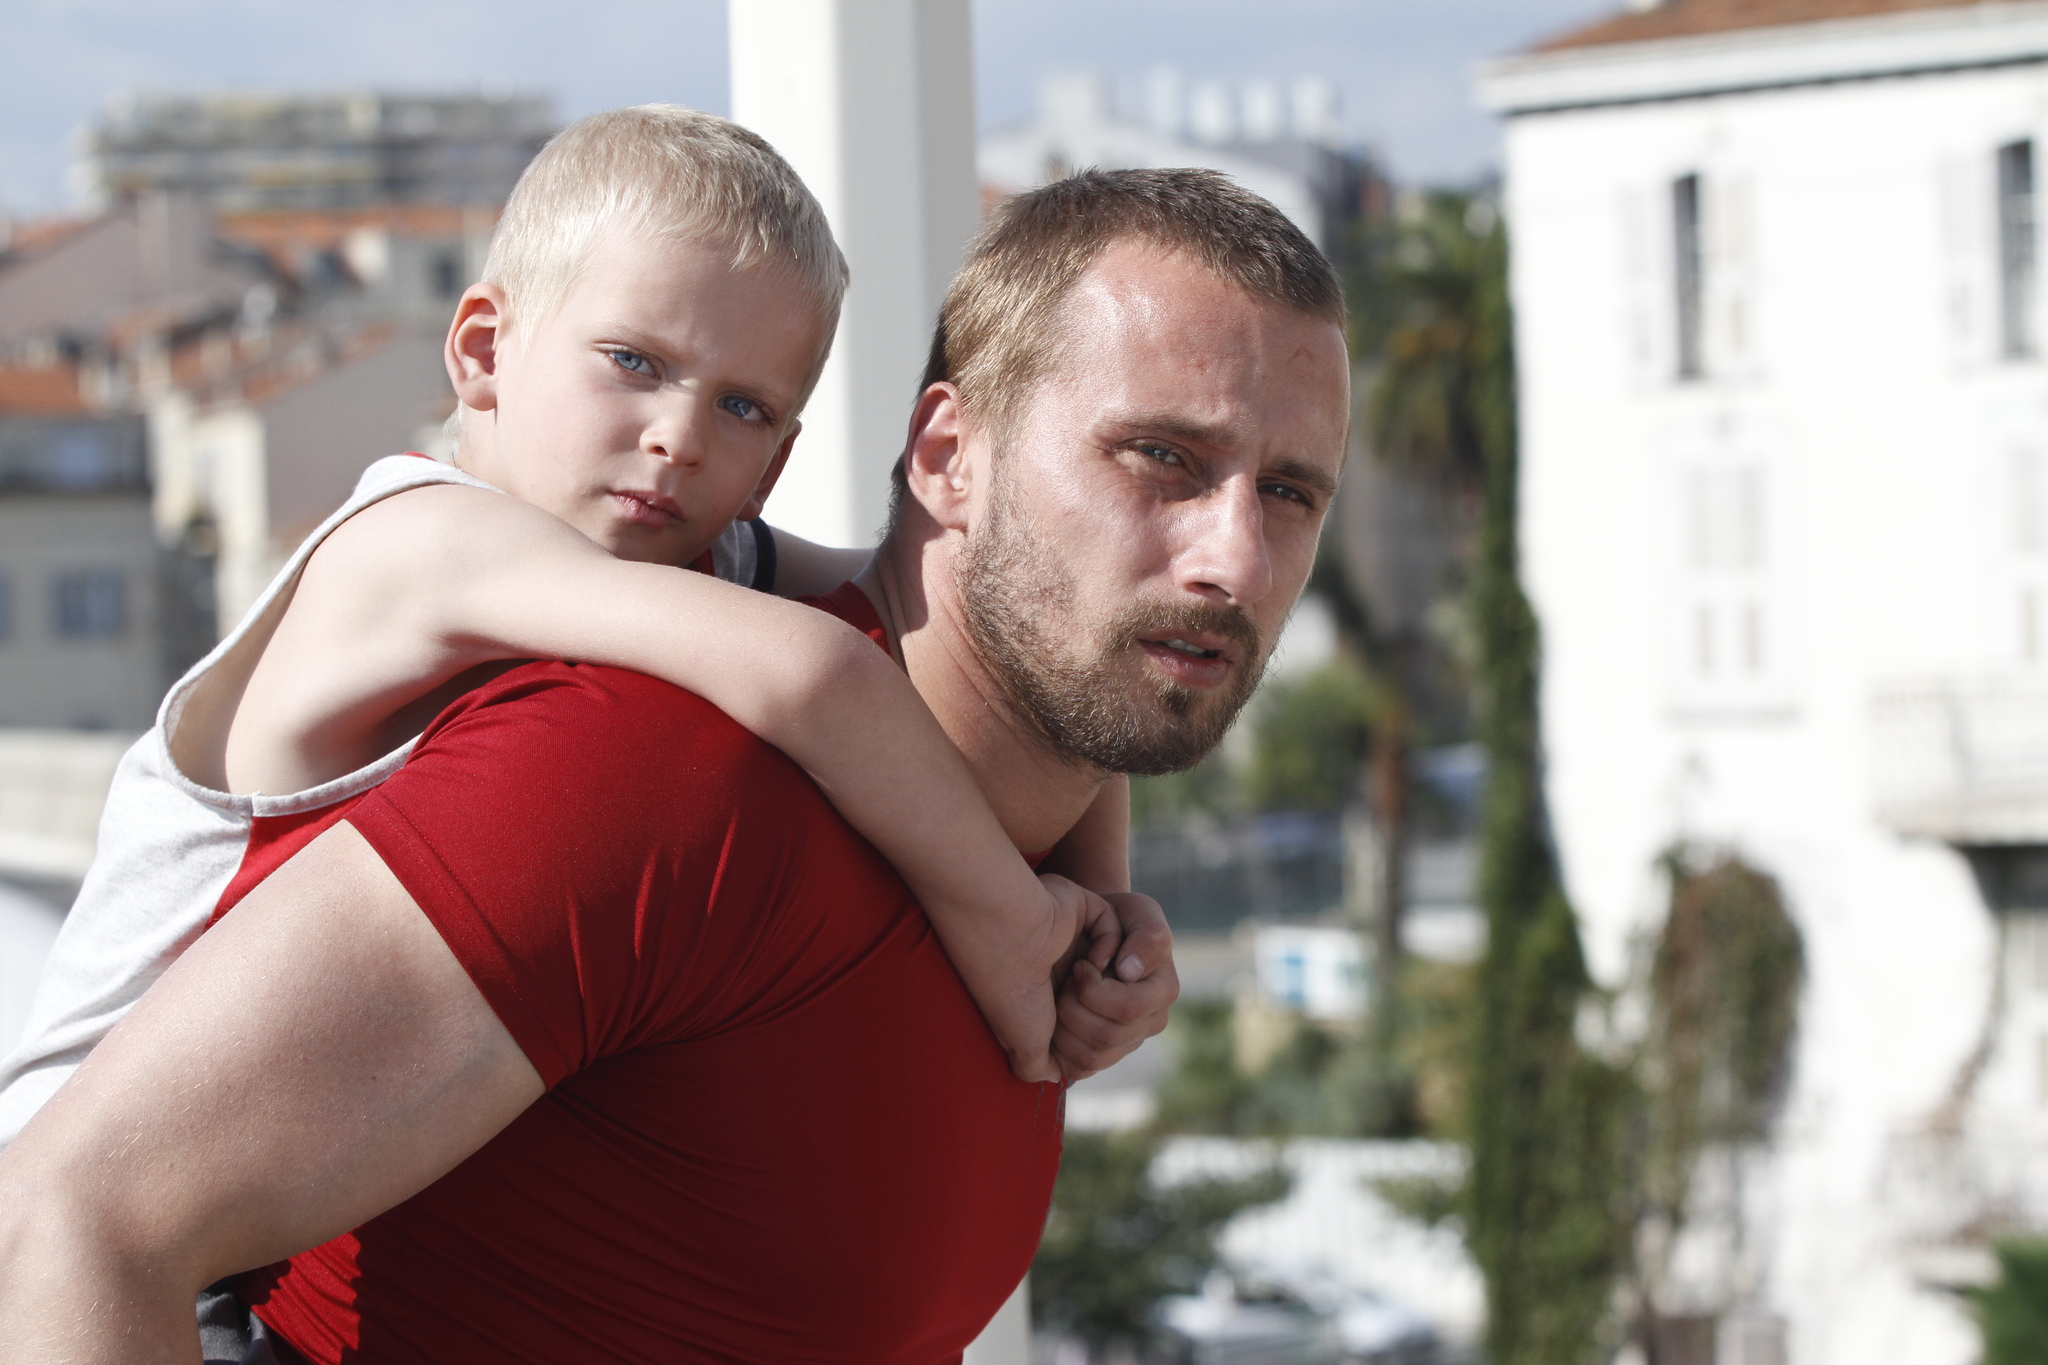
(1161, 340)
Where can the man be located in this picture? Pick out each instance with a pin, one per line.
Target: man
(602, 1032)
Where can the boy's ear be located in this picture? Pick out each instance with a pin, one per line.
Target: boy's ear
(935, 462)
(471, 351)
(774, 472)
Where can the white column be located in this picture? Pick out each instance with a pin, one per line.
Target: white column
(1007, 1338)
(873, 102)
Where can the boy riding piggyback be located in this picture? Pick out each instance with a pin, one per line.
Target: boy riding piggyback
(659, 300)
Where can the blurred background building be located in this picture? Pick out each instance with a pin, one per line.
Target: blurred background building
(1786, 454)
(192, 374)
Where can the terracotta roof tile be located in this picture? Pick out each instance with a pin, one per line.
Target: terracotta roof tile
(1689, 18)
(44, 390)
(290, 230)
(38, 233)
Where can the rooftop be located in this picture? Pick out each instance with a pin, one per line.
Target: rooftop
(1689, 18)
(1684, 49)
(40, 390)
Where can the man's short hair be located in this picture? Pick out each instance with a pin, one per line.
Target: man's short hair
(1000, 330)
(670, 172)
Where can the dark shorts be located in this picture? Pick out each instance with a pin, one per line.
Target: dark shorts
(229, 1334)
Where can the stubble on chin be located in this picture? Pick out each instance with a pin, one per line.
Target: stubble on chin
(1082, 685)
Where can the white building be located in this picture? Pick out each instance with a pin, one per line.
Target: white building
(1785, 445)
(1285, 144)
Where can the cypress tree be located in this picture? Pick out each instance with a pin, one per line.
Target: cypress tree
(1544, 1205)
(1544, 1202)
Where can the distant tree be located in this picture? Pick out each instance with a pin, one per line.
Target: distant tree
(2014, 1312)
(1545, 1201)
(1116, 1242)
(1724, 1011)
(1311, 738)
(1205, 1089)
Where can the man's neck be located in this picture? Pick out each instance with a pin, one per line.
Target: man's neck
(1036, 795)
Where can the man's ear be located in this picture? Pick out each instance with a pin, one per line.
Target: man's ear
(474, 339)
(935, 462)
(768, 479)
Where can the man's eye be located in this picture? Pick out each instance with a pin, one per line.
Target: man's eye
(746, 409)
(1288, 492)
(632, 362)
(1160, 454)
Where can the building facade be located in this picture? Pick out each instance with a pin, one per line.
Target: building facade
(1785, 449)
(83, 615)
(1285, 144)
(342, 150)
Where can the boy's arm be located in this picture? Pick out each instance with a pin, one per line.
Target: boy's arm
(460, 577)
(806, 569)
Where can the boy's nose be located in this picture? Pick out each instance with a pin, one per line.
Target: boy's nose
(675, 436)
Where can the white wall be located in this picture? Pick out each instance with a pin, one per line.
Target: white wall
(1852, 366)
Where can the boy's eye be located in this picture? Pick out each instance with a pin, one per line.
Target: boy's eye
(632, 362)
(746, 409)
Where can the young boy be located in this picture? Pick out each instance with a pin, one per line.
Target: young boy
(657, 305)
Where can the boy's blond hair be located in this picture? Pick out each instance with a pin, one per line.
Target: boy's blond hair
(671, 172)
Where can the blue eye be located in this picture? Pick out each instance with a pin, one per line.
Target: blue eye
(746, 409)
(632, 362)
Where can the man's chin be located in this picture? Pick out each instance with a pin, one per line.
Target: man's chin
(1148, 728)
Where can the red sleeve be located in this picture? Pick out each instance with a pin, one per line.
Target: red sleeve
(566, 828)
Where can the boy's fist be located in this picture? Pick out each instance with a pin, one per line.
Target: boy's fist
(1103, 1017)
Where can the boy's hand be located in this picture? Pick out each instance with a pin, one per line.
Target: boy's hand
(1104, 1017)
(1084, 928)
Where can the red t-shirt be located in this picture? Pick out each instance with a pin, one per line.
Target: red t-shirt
(776, 1128)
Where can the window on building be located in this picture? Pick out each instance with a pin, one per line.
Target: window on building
(1688, 274)
(2019, 326)
(90, 603)
(1724, 556)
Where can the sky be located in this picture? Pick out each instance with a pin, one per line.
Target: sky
(1403, 67)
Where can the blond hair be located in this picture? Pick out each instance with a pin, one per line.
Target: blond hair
(1000, 329)
(673, 173)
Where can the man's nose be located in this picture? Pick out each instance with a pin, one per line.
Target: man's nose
(1226, 558)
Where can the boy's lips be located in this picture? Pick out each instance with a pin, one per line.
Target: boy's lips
(644, 507)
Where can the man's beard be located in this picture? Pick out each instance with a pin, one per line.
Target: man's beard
(1096, 706)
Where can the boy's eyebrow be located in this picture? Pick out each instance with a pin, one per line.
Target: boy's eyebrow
(1224, 434)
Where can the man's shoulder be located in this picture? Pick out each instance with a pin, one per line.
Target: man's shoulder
(594, 714)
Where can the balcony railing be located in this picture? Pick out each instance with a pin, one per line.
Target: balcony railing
(1963, 759)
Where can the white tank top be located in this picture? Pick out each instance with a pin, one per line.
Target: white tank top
(168, 847)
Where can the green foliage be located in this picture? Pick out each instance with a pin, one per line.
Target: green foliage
(1208, 788)
(1724, 991)
(1311, 741)
(1116, 1243)
(1546, 1199)
(1206, 1088)
(2014, 1312)
(1427, 1201)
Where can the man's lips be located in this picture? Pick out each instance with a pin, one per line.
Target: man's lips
(1192, 658)
(644, 507)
